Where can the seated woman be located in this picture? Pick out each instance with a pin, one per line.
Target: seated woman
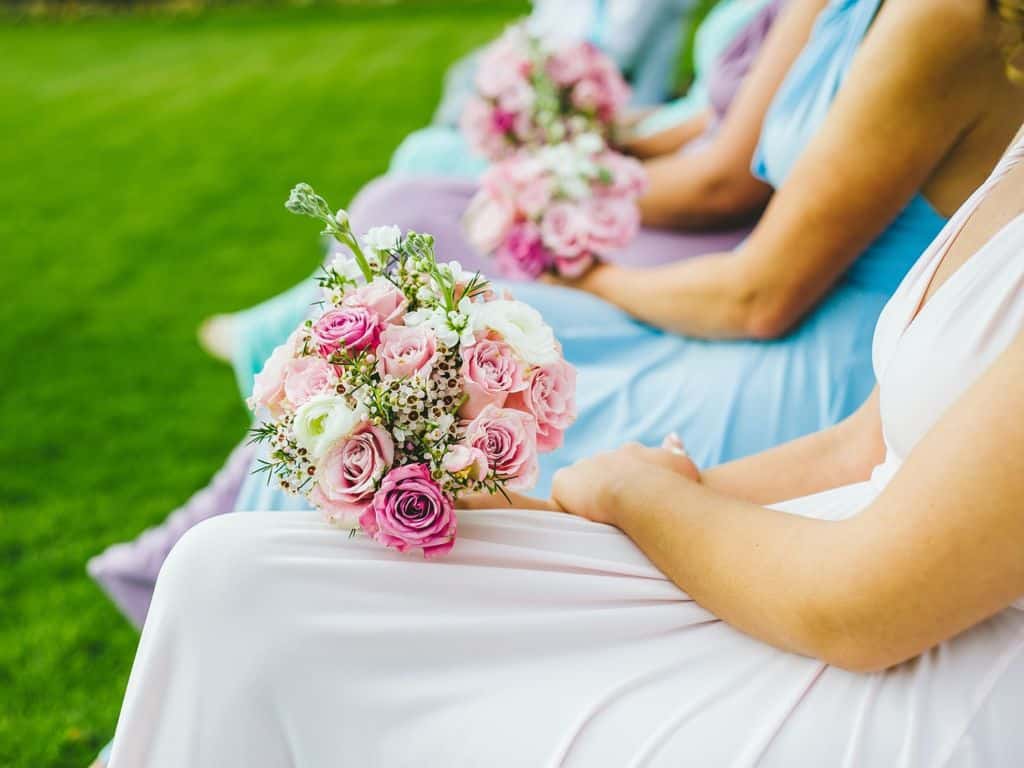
(671, 617)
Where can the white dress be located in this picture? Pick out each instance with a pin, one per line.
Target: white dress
(547, 640)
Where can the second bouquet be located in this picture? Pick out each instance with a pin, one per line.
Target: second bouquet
(414, 385)
(556, 209)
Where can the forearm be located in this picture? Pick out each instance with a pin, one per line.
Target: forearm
(669, 140)
(758, 569)
(834, 457)
(701, 190)
(704, 297)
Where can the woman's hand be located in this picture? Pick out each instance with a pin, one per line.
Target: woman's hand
(600, 280)
(592, 488)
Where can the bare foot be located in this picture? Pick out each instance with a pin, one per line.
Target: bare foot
(217, 337)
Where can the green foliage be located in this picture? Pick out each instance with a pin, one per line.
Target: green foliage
(141, 179)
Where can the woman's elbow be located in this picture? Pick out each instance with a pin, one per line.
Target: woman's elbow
(768, 315)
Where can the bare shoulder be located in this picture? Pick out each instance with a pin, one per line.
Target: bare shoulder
(947, 33)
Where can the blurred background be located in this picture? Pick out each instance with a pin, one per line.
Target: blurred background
(145, 153)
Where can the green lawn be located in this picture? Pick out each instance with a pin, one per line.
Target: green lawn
(143, 166)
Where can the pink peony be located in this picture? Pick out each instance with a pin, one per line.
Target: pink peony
(613, 223)
(380, 296)
(467, 461)
(352, 328)
(411, 511)
(490, 372)
(405, 351)
(348, 474)
(550, 396)
(306, 377)
(564, 230)
(508, 438)
(268, 388)
(522, 256)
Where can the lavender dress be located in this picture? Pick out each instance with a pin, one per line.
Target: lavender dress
(127, 572)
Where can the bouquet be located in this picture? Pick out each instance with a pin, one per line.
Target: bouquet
(556, 209)
(528, 94)
(414, 384)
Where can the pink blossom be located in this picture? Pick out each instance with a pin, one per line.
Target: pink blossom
(268, 388)
(478, 125)
(574, 266)
(564, 230)
(550, 396)
(508, 438)
(405, 351)
(352, 328)
(306, 377)
(613, 223)
(488, 220)
(410, 511)
(627, 173)
(467, 461)
(347, 475)
(522, 255)
(380, 296)
(490, 372)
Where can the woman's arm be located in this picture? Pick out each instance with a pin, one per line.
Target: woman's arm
(937, 552)
(668, 140)
(901, 111)
(714, 187)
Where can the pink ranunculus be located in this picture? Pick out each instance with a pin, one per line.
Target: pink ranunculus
(488, 220)
(306, 377)
(564, 230)
(613, 223)
(348, 473)
(410, 511)
(490, 372)
(405, 351)
(381, 296)
(465, 460)
(522, 255)
(550, 395)
(508, 438)
(268, 388)
(352, 328)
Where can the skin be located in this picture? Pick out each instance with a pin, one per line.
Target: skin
(937, 552)
(714, 187)
(928, 117)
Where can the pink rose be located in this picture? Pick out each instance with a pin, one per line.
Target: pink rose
(490, 372)
(353, 328)
(569, 64)
(268, 387)
(380, 296)
(348, 473)
(564, 230)
(550, 396)
(478, 125)
(628, 177)
(535, 193)
(587, 96)
(467, 461)
(613, 223)
(405, 352)
(508, 438)
(522, 256)
(488, 220)
(411, 511)
(306, 377)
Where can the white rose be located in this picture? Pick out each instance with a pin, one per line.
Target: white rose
(322, 421)
(382, 238)
(522, 328)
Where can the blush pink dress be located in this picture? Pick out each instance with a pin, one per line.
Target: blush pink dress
(547, 640)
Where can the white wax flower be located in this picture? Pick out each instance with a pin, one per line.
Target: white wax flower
(322, 421)
(346, 266)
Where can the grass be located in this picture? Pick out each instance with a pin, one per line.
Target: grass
(144, 163)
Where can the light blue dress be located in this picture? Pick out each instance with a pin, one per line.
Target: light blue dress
(728, 399)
